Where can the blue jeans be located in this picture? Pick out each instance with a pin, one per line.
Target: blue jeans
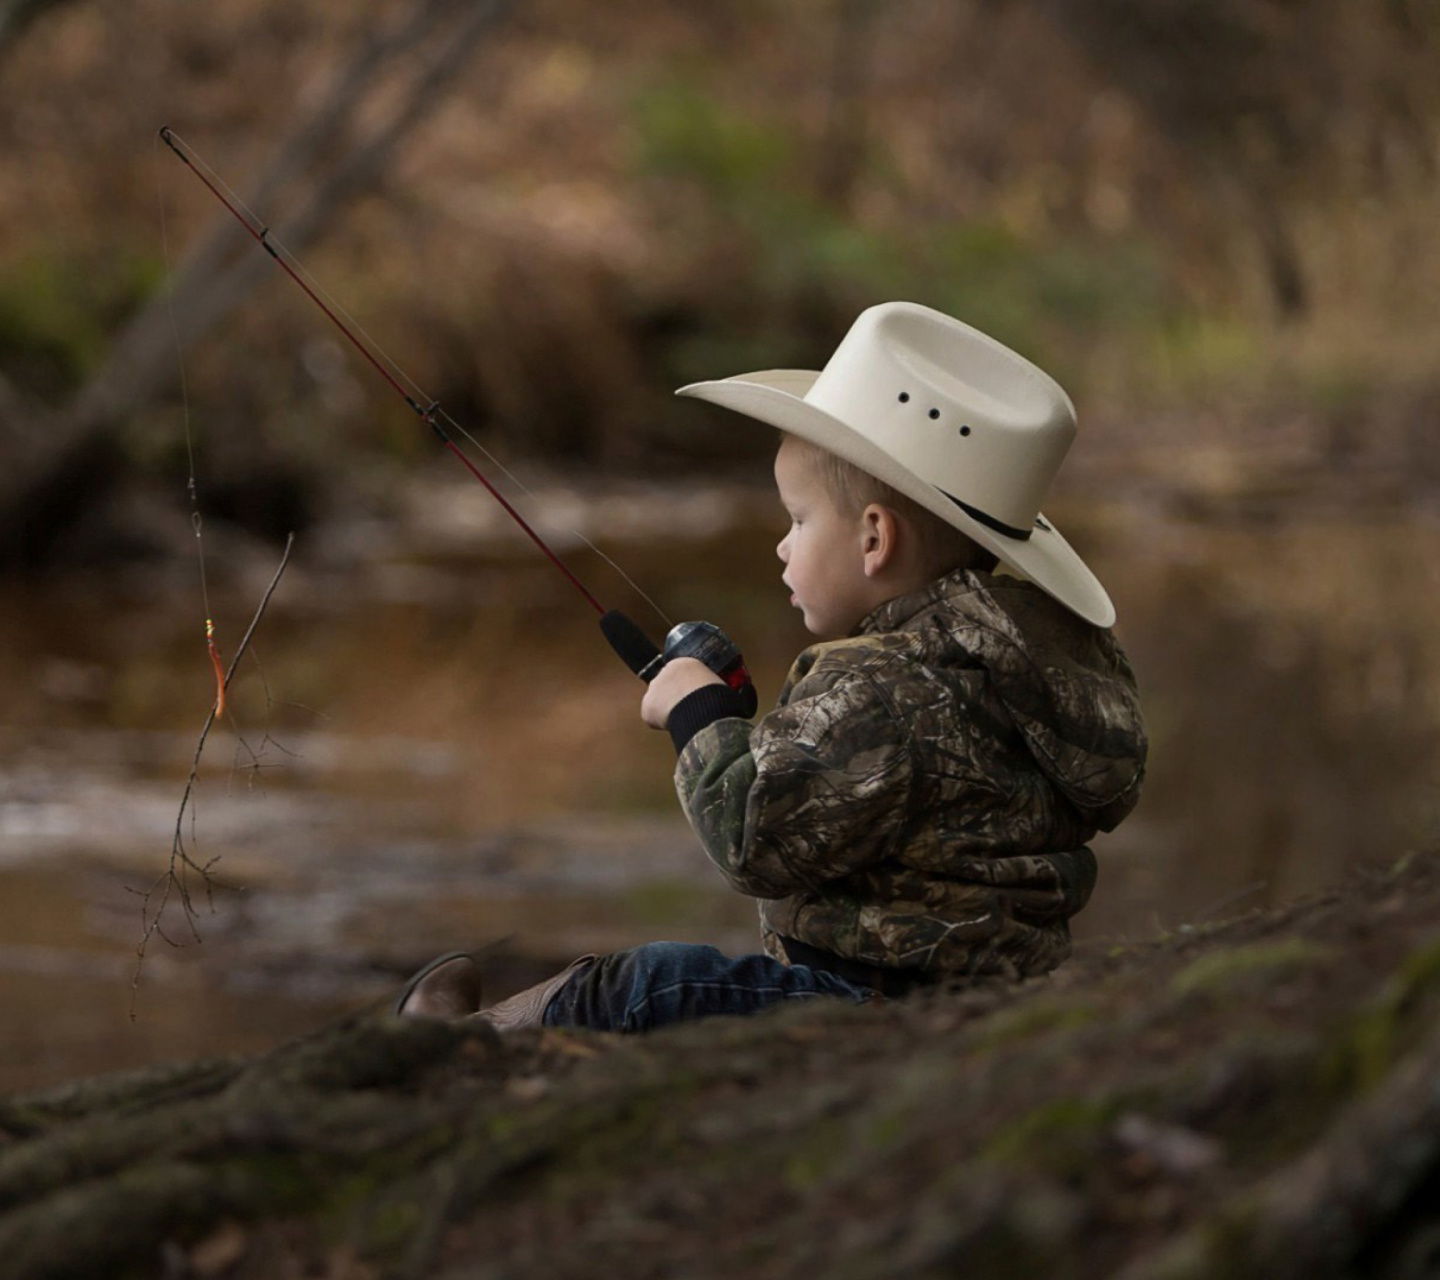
(667, 982)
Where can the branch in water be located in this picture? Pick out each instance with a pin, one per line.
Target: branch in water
(175, 879)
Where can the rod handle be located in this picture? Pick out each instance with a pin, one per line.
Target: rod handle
(637, 651)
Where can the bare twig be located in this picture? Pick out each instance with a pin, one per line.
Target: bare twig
(175, 879)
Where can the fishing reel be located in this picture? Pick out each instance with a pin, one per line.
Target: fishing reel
(703, 641)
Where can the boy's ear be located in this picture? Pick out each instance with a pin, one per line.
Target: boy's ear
(878, 538)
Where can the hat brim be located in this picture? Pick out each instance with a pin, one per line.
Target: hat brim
(776, 397)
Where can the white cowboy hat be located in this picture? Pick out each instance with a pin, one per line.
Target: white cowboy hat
(947, 416)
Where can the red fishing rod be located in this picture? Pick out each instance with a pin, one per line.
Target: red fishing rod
(702, 640)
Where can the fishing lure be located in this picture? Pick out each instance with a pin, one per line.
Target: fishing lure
(219, 668)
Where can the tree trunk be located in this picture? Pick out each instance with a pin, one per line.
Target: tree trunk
(61, 462)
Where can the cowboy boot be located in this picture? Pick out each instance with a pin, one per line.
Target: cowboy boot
(527, 1008)
(448, 987)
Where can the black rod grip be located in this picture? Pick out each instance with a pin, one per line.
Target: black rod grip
(636, 649)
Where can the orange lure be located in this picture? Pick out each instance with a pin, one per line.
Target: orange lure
(219, 668)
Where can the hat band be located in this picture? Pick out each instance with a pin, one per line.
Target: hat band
(989, 521)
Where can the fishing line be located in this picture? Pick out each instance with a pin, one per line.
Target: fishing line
(427, 408)
(530, 493)
(419, 393)
(197, 521)
(423, 396)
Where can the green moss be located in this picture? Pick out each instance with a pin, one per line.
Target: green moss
(1059, 1136)
(887, 1130)
(817, 1154)
(19, 1120)
(1224, 1245)
(599, 1140)
(1418, 978)
(503, 1124)
(1378, 1035)
(1222, 970)
(389, 1227)
(281, 1178)
(1032, 1018)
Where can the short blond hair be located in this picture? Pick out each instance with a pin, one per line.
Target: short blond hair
(943, 548)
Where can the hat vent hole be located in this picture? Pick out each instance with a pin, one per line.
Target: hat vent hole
(934, 413)
(964, 431)
(904, 397)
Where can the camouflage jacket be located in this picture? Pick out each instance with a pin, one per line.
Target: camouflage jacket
(921, 794)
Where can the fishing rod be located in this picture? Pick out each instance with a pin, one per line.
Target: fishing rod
(701, 640)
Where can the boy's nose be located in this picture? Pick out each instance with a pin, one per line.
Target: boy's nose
(782, 549)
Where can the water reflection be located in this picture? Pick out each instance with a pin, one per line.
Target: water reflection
(438, 751)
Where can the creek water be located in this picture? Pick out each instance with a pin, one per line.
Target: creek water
(430, 747)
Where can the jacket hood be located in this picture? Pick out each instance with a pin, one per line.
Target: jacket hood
(1065, 683)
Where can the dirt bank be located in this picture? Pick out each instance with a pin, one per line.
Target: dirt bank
(1254, 1098)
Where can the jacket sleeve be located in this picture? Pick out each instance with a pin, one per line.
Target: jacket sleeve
(814, 791)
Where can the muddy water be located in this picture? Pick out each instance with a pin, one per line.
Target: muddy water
(430, 748)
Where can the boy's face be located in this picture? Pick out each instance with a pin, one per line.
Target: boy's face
(823, 553)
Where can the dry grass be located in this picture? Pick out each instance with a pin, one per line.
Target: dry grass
(615, 199)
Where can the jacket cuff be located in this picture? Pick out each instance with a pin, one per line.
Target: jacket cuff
(704, 706)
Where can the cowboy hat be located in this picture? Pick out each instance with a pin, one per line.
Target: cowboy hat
(947, 416)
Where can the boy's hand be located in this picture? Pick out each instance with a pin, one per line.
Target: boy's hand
(677, 678)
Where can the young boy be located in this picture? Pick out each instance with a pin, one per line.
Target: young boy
(915, 808)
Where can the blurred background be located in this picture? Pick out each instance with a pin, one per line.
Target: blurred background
(1215, 224)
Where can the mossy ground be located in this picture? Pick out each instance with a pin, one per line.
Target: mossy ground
(1254, 1098)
